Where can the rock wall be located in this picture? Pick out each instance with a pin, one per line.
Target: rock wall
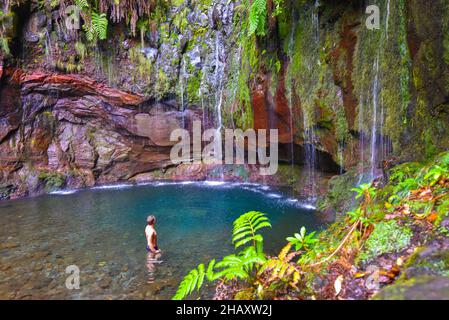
(69, 130)
(367, 95)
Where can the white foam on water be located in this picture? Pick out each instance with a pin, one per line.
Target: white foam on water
(274, 195)
(252, 184)
(307, 206)
(187, 182)
(214, 183)
(112, 187)
(64, 192)
(158, 184)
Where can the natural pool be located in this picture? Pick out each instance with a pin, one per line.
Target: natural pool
(101, 230)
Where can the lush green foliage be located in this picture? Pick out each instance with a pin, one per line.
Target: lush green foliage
(4, 46)
(257, 18)
(246, 227)
(415, 194)
(52, 180)
(388, 236)
(95, 26)
(302, 241)
(242, 265)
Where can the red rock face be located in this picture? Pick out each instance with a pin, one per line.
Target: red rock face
(342, 77)
(85, 131)
(76, 85)
(272, 112)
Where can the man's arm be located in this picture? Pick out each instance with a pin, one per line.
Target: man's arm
(154, 242)
(149, 242)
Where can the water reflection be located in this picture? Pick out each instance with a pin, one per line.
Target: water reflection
(153, 260)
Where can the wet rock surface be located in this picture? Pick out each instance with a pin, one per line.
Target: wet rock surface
(85, 131)
(425, 275)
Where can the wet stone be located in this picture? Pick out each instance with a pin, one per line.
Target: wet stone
(9, 245)
(105, 282)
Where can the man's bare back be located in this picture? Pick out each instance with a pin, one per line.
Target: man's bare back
(151, 235)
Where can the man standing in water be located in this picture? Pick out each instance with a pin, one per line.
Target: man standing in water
(151, 235)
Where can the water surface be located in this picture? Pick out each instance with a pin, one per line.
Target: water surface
(101, 231)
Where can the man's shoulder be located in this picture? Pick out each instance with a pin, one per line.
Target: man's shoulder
(148, 229)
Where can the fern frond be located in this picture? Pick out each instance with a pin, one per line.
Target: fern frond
(281, 268)
(100, 25)
(246, 226)
(82, 4)
(257, 18)
(194, 280)
(283, 254)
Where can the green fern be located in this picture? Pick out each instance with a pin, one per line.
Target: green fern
(100, 25)
(243, 265)
(246, 227)
(240, 266)
(194, 280)
(82, 3)
(257, 18)
(97, 28)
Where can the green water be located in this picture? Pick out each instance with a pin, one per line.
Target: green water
(101, 231)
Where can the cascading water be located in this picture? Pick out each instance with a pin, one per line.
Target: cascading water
(291, 45)
(219, 73)
(218, 85)
(48, 48)
(211, 92)
(308, 115)
(182, 79)
(375, 121)
(370, 138)
(371, 111)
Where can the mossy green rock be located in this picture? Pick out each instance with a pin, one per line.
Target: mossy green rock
(419, 288)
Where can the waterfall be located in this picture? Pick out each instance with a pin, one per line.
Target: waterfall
(372, 134)
(308, 115)
(372, 143)
(316, 22)
(361, 138)
(218, 79)
(182, 77)
(387, 18)
(375, 93)
(291, 45)
(48, 48)
(310, 155)
(219, 74)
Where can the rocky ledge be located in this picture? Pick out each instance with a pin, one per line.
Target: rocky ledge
(71, 131)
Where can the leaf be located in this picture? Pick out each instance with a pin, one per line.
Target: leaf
(210, 270)
(82, 3)
(303, 232)
(246, 226)
(337, 284)
(200, 276)
(194, 280)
